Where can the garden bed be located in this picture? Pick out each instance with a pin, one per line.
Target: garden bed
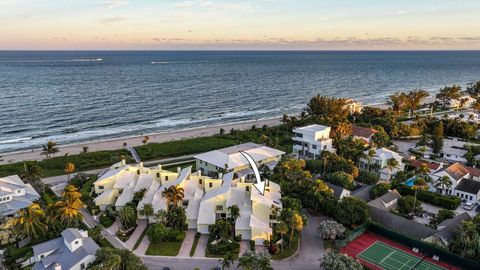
(287, 252)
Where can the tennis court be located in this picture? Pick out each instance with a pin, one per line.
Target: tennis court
(390, 258)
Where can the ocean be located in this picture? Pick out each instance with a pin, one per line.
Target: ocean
(77, 96)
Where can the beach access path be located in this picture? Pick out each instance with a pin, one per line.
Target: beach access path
(115, 144)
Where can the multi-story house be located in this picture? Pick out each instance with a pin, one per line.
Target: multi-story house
(379, 163)
(15, 195)
(311, 141)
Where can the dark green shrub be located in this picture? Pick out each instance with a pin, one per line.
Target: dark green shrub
(368, 178)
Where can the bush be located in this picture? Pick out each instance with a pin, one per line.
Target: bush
(368, 178)
(342, 179)
(408, 205)
(252, 245)
(106, 220)
(378, 190)
(330, 230)
(351, 211)
(158, 233)
(448, 202)
(222, 247)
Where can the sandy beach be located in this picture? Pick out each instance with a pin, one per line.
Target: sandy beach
(114, 144)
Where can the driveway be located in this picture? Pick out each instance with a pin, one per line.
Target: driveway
(187, 244)
(244, 247)
(201, 246)
(142, 224)
(310, 251)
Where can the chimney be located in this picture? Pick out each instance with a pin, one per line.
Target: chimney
(57, 266)
(159, 166)
(199, 172)
(140, 164)
(220, 175)
(123, 162)
(179, 169)
(242, 179)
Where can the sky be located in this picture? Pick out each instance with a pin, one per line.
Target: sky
(239, 25)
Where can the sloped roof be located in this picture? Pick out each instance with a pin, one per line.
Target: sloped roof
(231, 156)
(469, 186)
(473, 171)
(363, 193)
(337, 190)
(448, 228)
(71, 234)
(363, 131)
(418, 163)
(456, 171)
(400, 224)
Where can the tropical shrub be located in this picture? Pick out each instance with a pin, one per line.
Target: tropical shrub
(378, 190)
(338, 261)
(342, 179)
(368, 178)
(330, 230)
(351, 211)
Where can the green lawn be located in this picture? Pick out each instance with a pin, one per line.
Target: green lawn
(194, 246)
(166, 248)
(287, 252)
(97, 160)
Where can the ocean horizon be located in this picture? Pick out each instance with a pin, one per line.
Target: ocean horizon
(77, 96)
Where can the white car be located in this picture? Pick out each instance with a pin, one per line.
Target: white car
(469, 205)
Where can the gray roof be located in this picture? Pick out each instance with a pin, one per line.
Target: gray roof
(337, 190)
(363, 193)
(448, 228)
(400, 224)
(469, 186)
(71, 234)
(385, 199)
(61, 254)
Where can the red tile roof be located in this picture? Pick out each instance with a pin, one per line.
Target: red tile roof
(473, 171)
(363, 131)
(418, 163)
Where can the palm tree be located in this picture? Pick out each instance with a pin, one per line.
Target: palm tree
(69, 168)
(445, 183)
(71, 191)
(370, 155)
(69, 209)
(320, 189)
(415, 98)
(161, 216)
(145, 140)
(398, 101)
(233, 214)
(127, 216)
(29, 221)
(296, 224)
(282, 229)
(227, 261)
(173, 195)
(418, 184)
(448, 93)
(343, 129)
(392, 164)
(476, 106)
(49, 149)
(147, 211)
(32, 173)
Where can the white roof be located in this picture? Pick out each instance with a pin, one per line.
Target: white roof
(145, 180)
(311, 129)
(259, 224)
(385, 154)
(126, 179)
(206, 214)
(158, 201)
(125, 197)
(232, 158)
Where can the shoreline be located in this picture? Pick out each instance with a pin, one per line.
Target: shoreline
(136, 140)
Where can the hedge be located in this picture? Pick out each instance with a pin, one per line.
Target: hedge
(448, 202)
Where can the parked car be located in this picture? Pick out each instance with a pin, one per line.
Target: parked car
(469, 205)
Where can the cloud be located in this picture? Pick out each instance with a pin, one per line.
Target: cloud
(110, 20)
(114, 3)
(216, 6)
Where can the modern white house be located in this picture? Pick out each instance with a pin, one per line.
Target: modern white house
(311, 141)
(15, 195)
(74, 250)
(353, 106)
(205, 199)
(230, 160)
(465, 182)
(379, 163)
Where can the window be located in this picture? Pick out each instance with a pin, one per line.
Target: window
(76, 242)
(18, 191)
(324, 147)
(314, 146)
(247, 188)
(100, 187)
(82, 266)
(138, 172)
(158, 175)
(210, 184)
(219, 207)
(471, 198)
(299, 135)
(166, 178)
(42, 256)
(200, 181)
(457, 194)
